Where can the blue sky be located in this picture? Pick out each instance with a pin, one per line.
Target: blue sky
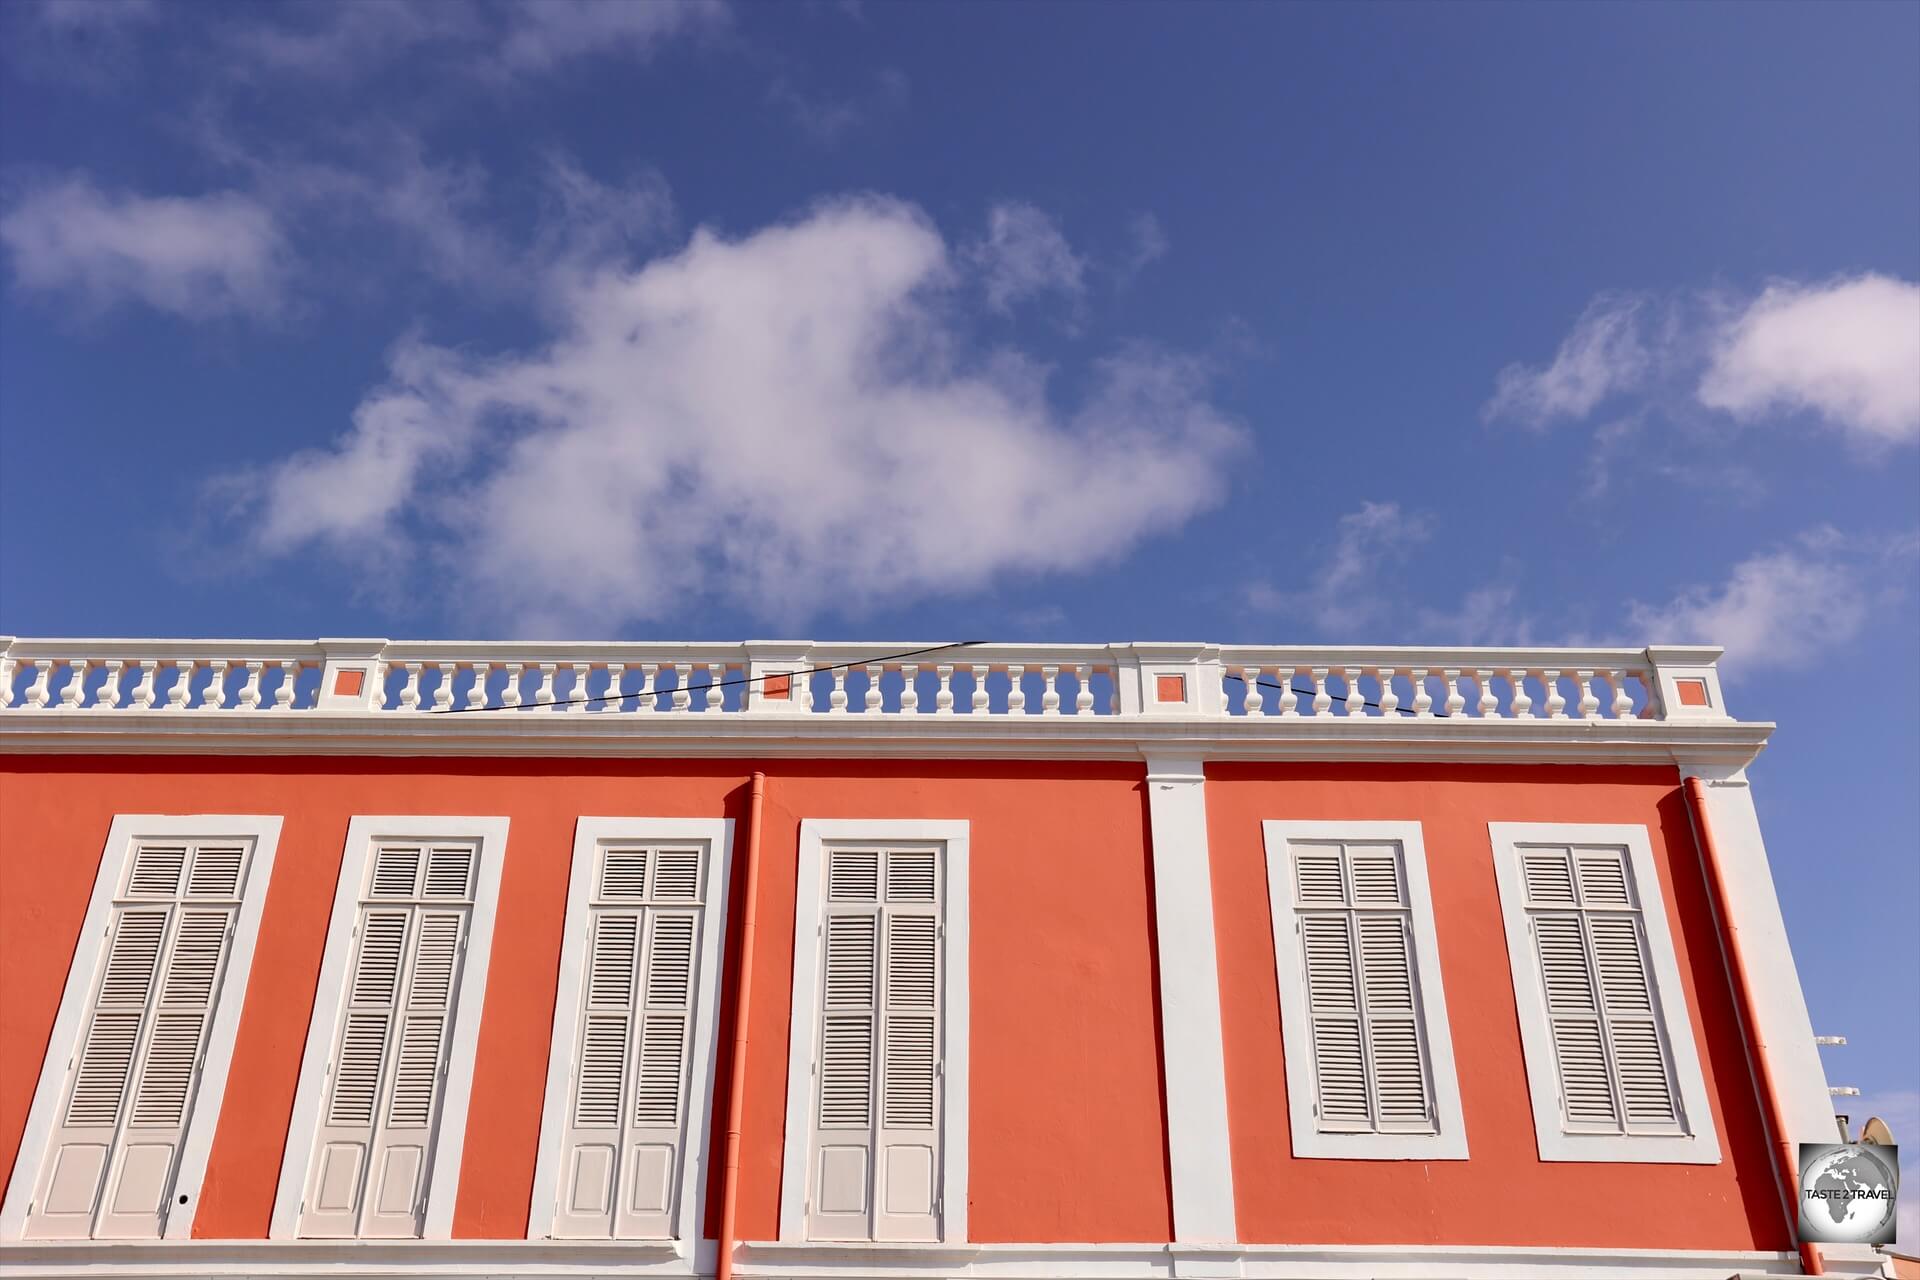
(1246, 323)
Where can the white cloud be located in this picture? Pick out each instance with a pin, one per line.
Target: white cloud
(1848, 350)
(1345, 593)
(208, 255)
(1025, 255)
(788, 422)
(1489, 614)
(1783, 608)
(1147, 244)
(1603, 356)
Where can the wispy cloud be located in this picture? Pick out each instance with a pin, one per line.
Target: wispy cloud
(199, 256)
(1025, 255)
(826, 119)
(1846, 351)
(1343, 594)
(1786, 607)
(787, 422)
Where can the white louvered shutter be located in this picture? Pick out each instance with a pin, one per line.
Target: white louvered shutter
(625, 1139)
(387, 1075)
(1610, 1051)
(1370, 1058)
(114, 1152)
(876, 1151)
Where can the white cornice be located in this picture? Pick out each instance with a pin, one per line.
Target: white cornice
(543, 732)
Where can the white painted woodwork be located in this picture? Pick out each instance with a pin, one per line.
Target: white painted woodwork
(1613, 1069)
(116, 1140)
(1370, 1070)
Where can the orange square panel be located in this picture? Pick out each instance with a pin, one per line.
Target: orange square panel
(777, 687)
(348, 681)
(1693, 693)
(1171, 688)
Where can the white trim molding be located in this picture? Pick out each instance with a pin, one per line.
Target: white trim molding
(808, 908)
(1779, 1001)
(533, 1260)
(1448, 1141)
(363, 833)
(217, 1058)
(1193, 1054)
(715, 836)
(1697, 1141)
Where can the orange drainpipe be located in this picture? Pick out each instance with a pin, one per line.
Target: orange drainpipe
(742, 992)
(1810, 1259)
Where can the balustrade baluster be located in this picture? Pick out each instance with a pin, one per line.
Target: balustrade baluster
(611, 697)
(978, 702)
(1521, 704)
(682, 685)
(1289, 696)
(716, 691)
(1113, 690)
(410, 690)
(909, 688)
(6, 680)
(1589, 701)
(1083, 696)
(1556, 701)
(1016, 690)
(443, 688)
(510, 691)
(107, 697)
(577, 693)
(143, 688)
(289, 676)
(1356, 701)
(649, 694)
(1049, 691)
(477, 691)
(1622, 700)
(1322, 700)
(943, 699)
(1489, 701)
(42, 677)
(1251, 700)
(837, 700)
(75, 691)
(1456, 701)
(1422, 695)
(213, 697)
(871, 702)
(249, 688)
(1389, 696)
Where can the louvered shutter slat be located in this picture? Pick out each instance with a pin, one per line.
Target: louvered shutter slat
(846, 1071)
(1584, 1082)
(602, 1072)
(216, 871)
(106, 1060)
(1340, 1070)
(853, 875)
(1646, 1087)
(396, 871)
(156, 871)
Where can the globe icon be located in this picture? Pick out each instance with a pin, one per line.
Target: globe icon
(1847, 1196)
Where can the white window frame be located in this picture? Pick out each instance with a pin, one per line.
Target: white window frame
(1699, 1144)
(1449, 1141)
(363, 834)
(808, 910)
(588, 835)
(126, 831)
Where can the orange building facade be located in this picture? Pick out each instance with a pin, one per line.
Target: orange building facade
(786, 959)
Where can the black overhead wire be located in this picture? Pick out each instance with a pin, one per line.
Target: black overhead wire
(838, 666)
(718, 684)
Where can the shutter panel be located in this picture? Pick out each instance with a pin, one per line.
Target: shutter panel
(374, 1152)
(624, 1145)
(111, 1159)
(1369, 1049)
(402, 1151)
(907, 1147)
(1615, 1070)
(877, 1139)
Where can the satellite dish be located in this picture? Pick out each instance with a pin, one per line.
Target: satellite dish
(1875, 1131)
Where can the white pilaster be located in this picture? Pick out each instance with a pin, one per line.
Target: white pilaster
(1781, 1006)
(1198, 1151)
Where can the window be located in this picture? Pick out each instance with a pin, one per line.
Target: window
(380, 1116)
(117, 1138)
(877, 1082)
(629, 1077)
(1369, 1056)
(1611, 1061)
